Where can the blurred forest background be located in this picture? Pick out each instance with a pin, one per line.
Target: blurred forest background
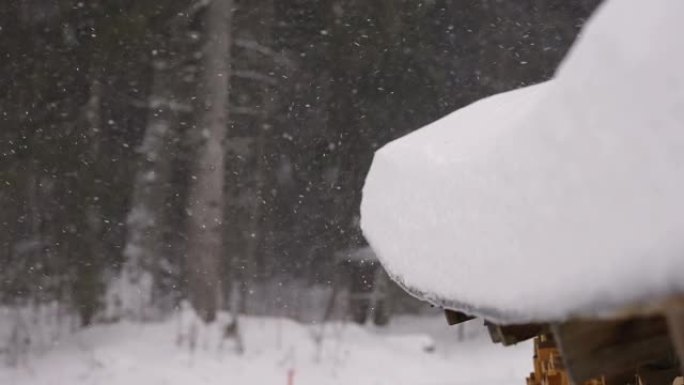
(215, 150)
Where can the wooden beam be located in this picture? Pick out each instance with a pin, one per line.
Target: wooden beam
(674, 314)
(655, 375)
(456, 317)
(591, 349)
(512, 334)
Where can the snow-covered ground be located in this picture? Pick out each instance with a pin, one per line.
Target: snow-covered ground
(413, 350)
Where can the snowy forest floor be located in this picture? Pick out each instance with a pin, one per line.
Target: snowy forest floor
(412, 350)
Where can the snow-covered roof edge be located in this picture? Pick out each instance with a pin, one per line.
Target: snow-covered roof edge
(635, 66)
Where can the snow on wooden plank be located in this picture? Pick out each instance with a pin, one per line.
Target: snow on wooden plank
(558, 200)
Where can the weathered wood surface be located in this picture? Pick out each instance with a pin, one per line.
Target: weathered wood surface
(456, 317)
(592, 349)
(512, 334)
(674, 314)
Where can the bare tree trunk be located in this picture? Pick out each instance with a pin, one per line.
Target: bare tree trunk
(262, 15)
(206, 194)
(86, 288)
(255, 236)
(145, 221)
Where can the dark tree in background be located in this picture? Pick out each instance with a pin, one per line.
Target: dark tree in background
(155, 151)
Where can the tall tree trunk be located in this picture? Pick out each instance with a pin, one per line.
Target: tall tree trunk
(86, 288)
(146, 219)
(255, 235)
(206, 194)
(258, 19)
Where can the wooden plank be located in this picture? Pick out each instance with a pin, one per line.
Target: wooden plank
(653, 375)
(512, 334)
(456, 317)
(675, 323)
(591, 349)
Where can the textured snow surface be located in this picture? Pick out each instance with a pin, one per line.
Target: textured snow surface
(156, 354)
(557, 200)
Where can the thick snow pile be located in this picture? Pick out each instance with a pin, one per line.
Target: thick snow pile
(275, 350)
(557, 200)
